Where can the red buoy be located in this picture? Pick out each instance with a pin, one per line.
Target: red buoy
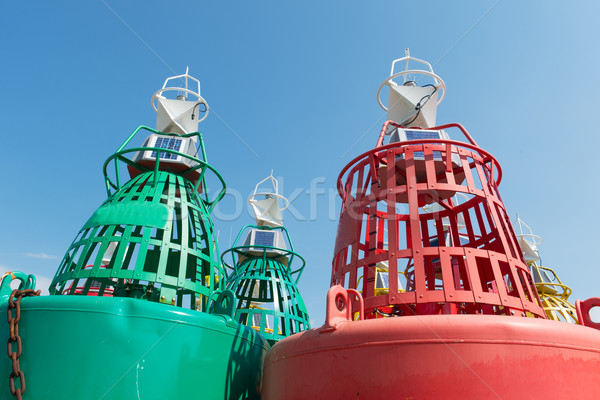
(430, 296)
(424, 242)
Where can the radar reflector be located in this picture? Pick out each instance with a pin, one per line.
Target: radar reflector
(527, 241)
(413, 101)
(175, 116)
(266, 205)
(181, 114)
(412, 105)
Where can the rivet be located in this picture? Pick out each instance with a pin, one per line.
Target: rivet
(420, 296)
(162, 297)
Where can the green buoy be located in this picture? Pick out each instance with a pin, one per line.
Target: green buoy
(138, 307)
(265, 271)
(153, 237)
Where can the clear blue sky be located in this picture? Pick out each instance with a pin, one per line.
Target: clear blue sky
(297, 82)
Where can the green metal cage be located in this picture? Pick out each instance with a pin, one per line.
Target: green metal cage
(268, 299)
(153, 237)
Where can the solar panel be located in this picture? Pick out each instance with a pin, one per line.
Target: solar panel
(264, 238)
(419, 134)
(169, 144)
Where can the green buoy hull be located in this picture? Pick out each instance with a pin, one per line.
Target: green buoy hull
(86, 347)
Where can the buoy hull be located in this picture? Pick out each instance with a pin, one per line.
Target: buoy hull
(437, 357)
(89, 347)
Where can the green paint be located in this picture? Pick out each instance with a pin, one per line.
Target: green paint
(25, 282)
(152, 239)
(266, 288)
(148, 214)
(104, 334)
(84, 347)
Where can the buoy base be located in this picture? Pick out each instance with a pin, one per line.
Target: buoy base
(437, 357)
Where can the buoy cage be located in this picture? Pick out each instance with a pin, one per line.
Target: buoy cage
(152, 239)
(264, 280)
(442, 268)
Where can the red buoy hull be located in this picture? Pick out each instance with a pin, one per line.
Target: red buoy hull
(437, 357)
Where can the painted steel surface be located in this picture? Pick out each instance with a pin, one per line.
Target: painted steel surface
(103, 334)
(430, 295)
(84, 347)
(265, 281)
(453, 357)
(583, 308)
(462, 259)
(554, 295)
(152, 239)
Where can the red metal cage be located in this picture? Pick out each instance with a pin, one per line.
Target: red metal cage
(429, 212)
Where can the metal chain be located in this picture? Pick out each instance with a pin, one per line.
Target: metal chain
(13, 323)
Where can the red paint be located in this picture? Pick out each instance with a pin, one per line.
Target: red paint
(444, 267)
(583, 311)
(462, 321)
(435, 357)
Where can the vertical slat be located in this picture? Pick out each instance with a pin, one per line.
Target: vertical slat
(472, 277)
